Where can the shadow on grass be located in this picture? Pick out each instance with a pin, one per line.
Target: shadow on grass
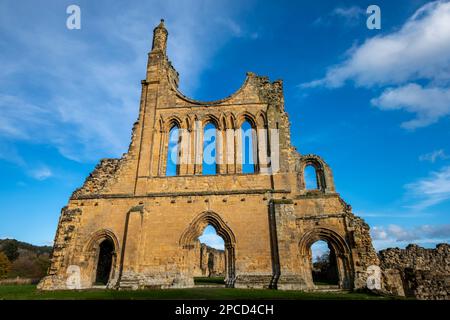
(29, 292)
(209, 280)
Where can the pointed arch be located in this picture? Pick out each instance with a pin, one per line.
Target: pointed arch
(195, 229)
(326, 234)
(92, 251)
(189, 122)
(210, 118)
(231, 118)
(324, 175)
(96, 237)
(160, 124)
(261, 120)
(199, 223)
(341, 250)
(246, 116)
(172, 121)
(223, 121)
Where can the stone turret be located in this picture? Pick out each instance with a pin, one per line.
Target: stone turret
(160, 38)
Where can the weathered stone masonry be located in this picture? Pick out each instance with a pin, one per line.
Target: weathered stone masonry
(417, 272)
(268, 219)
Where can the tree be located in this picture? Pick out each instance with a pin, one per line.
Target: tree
(11, 250)
(5, 265)
(322, 262)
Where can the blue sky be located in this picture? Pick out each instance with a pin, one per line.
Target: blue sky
(374, 103)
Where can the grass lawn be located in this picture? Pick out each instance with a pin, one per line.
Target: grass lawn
(29, 292)
(209, 280)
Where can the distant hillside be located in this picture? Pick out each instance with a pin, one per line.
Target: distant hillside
(27, 260)
(26, 246)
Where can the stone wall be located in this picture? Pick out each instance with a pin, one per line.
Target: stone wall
(154, 219)
(417, 272)
(212, 261)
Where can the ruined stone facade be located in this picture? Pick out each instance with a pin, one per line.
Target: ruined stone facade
(140, 227)
(417, 272)
(210, 263)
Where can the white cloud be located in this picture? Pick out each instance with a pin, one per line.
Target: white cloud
(10, 154)
(318, 249)
(41, 173)
(428, 104)
(212, 240)
(418, 51)
(353, 12)
(79, 90)
(434, 155)
(430, 190)
(351, 15)
(394, 235)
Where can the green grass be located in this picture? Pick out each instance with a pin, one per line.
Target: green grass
(209, 280)
(29, 292)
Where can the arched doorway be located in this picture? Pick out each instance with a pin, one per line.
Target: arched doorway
(189, 242)
(101, 257)
(338, 271)
(104, 262)
(210, 265)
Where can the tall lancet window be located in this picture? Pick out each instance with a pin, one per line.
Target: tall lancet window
(173, 152)
(248, 148)
(310, 174)
(209, 164)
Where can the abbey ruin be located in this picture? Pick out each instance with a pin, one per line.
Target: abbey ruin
(135, 224)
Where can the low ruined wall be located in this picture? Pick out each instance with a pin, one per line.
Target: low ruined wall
(211, 262)
(417, 272)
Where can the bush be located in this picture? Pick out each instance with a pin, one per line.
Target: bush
(11, 250)
(29, 266)
(5, 265)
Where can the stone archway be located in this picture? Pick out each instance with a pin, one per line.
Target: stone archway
(101, 255)
(195, 229)
(341, 253)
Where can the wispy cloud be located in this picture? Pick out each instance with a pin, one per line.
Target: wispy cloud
(318, 249)
(394, 235)
(237, 29)
(41, 173)
(10, 154)
(434, 155)
(428, 104)
(212, 240)
(350, 15)
(431, 190)
(419, 50)
(79, 90)
(398, 233)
